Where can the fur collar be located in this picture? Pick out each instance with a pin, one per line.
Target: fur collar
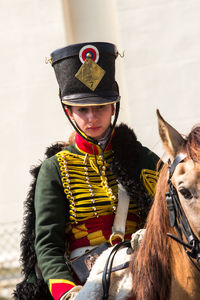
(127, 150)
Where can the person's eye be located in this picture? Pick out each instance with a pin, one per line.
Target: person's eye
(100, 107)
(82, 109)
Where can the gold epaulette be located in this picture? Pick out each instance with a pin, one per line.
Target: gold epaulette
(149, 179)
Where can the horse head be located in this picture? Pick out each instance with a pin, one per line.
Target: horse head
(186, 175)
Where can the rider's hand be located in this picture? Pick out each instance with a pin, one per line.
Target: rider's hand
(136, 238)
(71, 295)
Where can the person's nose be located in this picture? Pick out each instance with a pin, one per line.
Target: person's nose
(92, 114)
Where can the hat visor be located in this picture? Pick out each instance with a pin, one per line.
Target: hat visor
(89, 100)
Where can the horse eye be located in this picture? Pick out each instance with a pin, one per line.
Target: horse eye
(186, 193)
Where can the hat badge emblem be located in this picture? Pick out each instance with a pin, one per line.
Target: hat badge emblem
(90, 73)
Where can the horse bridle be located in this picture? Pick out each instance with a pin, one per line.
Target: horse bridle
(179, 220)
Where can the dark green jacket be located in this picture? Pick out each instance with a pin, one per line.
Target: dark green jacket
(51, 207)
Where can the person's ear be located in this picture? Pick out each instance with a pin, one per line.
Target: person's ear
(113, 109)
(69, 112)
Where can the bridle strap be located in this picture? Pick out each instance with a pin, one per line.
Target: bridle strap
(178, 159)
(178, 218)
(169, 196)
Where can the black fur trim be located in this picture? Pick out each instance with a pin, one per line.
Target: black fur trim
(25, 290)
(126, 155)
(32, 291)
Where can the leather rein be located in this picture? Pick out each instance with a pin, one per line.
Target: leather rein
(108, 269)
(179, 220)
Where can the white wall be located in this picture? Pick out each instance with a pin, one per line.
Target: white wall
(161, 39)
(30, 112)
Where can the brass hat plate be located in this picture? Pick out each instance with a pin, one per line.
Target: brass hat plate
(90, 74)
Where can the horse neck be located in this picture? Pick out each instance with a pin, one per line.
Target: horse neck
(185, 280)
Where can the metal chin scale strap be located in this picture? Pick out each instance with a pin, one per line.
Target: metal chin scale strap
(89, 139)
(179, 220)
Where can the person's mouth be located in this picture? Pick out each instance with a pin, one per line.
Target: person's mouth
(93, 128)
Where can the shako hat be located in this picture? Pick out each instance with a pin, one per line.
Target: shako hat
(86, 73)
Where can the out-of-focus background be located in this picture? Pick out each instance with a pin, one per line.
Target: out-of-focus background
(160, 40)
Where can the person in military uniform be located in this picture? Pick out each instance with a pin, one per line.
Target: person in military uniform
(73, 199)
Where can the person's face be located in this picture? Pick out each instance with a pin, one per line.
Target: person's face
(92, 120)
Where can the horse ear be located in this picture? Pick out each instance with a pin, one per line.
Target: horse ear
(171, 138)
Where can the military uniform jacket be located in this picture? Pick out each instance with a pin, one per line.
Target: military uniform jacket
(75, 200)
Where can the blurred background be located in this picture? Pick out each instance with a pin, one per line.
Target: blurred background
(160, 40)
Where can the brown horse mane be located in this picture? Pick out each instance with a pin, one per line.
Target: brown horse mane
(150, 267)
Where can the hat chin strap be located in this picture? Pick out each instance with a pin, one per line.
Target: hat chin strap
(87, 138)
